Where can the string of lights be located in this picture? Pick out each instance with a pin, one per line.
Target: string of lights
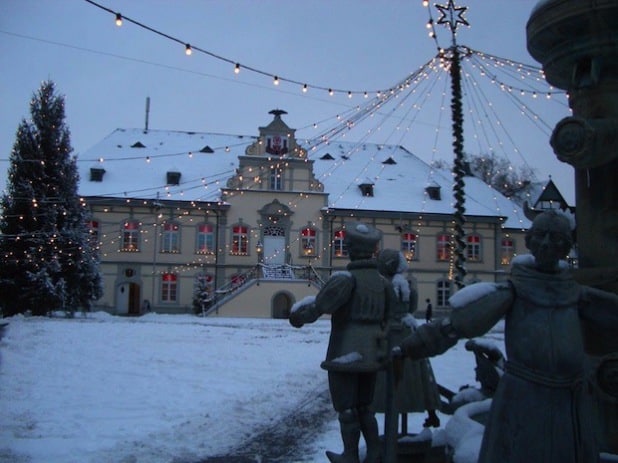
(189, 49)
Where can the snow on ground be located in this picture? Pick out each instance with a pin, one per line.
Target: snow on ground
(165, 388)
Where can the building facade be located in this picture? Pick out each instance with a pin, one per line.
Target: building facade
(247, 225)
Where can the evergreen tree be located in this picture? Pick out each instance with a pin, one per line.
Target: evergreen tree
(48, 262)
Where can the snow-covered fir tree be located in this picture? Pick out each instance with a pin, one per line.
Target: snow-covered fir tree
(48, 260)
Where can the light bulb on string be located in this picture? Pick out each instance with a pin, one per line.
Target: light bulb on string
(237, 68)
(118, 19)
(305, 88)
(188, 49)
(330, 91)
(276, 80)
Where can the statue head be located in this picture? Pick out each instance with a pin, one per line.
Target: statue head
(391, 262)
(361, 240)
(549, 239)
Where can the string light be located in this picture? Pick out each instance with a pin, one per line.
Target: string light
(188, 49)
(237, 68)
(276, 80)
(118, 19)
(330, 91)
(304, 88)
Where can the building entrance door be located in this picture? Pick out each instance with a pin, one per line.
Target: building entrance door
(274, 245)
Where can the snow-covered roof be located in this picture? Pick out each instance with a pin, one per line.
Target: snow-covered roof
(136, 163)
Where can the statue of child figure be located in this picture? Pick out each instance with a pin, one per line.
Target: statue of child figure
(542, 409)
(416, 390)
(358, 301)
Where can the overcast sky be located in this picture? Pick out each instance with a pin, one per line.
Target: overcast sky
(107, 72)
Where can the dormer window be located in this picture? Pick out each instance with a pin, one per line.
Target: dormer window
(327, 157)
(207, 149)
(138, 144)
(366, 189)
(96, 174)
(173, 178)
(389, 161)
(433, 191)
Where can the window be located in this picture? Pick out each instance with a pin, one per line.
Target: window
(339, 247)
(308, 245)
(169, 287)
(205, 239)
(507, 250)
(443, 292)
(276, 178)
(277, 145)
(408, 245)
(130, 236)
(473, 248)
(170, 239)
(240, 240)
(443, 247)
(93, 233)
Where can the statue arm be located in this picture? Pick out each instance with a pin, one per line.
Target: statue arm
(335, 293)
(475, 310)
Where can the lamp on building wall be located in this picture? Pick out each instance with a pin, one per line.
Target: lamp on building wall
(259, 249)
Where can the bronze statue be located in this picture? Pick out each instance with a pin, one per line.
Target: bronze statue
(417, 390)
(357, 301)
(542, 409)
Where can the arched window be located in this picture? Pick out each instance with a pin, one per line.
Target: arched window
(205, 238)
(507, 250)
(240, 240)
(473, 248)
(339, 247)
(130, 236)
(443, 247)
(169, 287)
(170, 237)
(408, 245)
(443, 292)
(308, 243)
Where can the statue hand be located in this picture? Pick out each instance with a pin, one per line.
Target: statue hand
(295, 320)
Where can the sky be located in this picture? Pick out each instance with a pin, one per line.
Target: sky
(107, 73)
(162, 389)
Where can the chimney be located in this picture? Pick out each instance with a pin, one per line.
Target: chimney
(147, 113)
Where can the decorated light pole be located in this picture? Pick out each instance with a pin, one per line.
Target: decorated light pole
(452, 16)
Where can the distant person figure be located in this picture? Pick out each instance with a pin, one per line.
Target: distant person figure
(428, 311)
(145, 306)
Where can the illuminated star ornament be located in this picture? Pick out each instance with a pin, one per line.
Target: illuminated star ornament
(452, 15)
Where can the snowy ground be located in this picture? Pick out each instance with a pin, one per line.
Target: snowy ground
(170, 388)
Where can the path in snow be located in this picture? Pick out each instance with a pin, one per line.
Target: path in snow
(289, 439)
